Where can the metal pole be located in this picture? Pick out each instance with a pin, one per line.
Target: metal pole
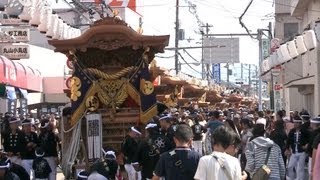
(176, 57)
(202, 60)
(241, 72)
(260, 62)
(249, 93)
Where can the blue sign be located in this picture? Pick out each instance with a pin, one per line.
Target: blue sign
(216, 73)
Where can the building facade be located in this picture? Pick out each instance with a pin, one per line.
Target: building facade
(299, 77)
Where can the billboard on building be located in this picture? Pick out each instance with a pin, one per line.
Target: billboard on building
(221, 50)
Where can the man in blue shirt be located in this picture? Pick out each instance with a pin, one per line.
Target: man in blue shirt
(180, 163)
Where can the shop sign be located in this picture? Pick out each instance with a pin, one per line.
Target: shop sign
(16, 35)
(11, 51)
(11, 22)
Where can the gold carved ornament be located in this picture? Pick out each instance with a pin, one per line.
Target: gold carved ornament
(75, 87)
(92, 103)
(112, 92)
(146, 87)
(172, 100)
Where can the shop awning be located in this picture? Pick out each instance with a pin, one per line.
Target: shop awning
(15, 74)
(304, 81)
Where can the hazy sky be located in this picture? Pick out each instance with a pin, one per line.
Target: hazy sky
(159, 17)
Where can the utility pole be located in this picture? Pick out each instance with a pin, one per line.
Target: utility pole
(260, 62)
(249, 91)
(241, 72)
(176, 56)
(203, 65)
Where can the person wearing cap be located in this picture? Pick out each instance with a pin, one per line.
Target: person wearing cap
(313, 142)
(5, 125)
(168, 126)
(31, 142)
(297, 143)
(82, 175)
(180, 163)
(14, 141)
(149, 150)
(129, 148)
(41, 166)
(5, 172)
(48, 141)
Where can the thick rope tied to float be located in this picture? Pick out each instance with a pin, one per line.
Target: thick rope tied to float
(104, 75)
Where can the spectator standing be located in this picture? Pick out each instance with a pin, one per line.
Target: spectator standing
(41, 166)
(256, 154)
(297, 145)
(180, 163)
(219, 165)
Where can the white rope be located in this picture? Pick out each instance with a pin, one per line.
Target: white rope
(69, 130)
(71, 150)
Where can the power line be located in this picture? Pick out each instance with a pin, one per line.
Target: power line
(191, 56)
(188, 63)
(240, 20)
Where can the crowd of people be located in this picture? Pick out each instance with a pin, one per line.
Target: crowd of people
(231, 144)
(30, 148)
(178, 145)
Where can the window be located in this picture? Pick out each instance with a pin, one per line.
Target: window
(290, 30)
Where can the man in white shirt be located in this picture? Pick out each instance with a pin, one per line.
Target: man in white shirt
(219, 164)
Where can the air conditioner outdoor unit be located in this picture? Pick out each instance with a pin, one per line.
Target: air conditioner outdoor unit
(285, 53)
(293, 52)
(301, 47)
(310, 39)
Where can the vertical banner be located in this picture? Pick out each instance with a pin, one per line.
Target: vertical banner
(216, 73)
(94, 135)
(23, 111)
(12, 106)
(12, 99)
(265, 48)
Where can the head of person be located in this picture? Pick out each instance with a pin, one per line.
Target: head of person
(26, 125)
(246, 123)
(4, 167)
(44, 125)
(222, 137)
(280, 114)
(258, 130)
(305, 116)
(134, 132)
(260, 114)
(151, 130)
(315, 123)
(297, 121)
(14, 123)
(165, 122)
(235, 144)
(39, 152)
(214, 115)
(183, 136)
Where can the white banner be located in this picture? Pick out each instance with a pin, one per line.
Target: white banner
(15, 35)
(16, 51)
(94, 135)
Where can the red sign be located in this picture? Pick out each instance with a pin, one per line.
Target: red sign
(277, 87)
(131, 4)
